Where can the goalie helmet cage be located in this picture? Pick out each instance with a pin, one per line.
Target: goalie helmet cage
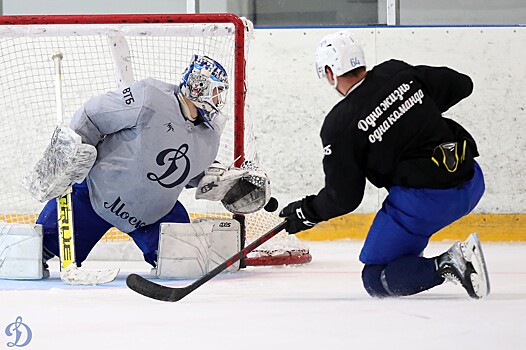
(106, 52)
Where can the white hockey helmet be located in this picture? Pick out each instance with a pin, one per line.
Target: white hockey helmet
(340, 51)
(202, 81)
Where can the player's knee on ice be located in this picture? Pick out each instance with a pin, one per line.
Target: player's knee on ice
(407, 275)
(371, 278)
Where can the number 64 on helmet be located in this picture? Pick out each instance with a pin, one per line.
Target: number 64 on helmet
(339, 51)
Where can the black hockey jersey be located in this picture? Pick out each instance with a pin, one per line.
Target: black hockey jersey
(388, 130)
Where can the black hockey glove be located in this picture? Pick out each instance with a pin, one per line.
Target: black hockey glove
(299, 215)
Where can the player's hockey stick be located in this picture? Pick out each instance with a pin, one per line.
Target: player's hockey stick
(69, 273)
(153, 290)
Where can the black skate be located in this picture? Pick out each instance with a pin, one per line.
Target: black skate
(45, 270)
(464, 263)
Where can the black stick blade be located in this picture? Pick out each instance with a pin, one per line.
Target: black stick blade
(156, 291)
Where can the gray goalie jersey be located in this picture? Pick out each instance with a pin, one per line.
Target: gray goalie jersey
(147, 152)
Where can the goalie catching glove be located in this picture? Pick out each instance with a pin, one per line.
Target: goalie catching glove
(300, 215)
(242, 191)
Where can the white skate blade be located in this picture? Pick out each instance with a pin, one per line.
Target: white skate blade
(474, 254)
(75, 276)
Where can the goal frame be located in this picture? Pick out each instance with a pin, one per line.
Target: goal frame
(239, 54)
(238, 75)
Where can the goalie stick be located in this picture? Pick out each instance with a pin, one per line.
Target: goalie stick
(156, 291)
(69, 273)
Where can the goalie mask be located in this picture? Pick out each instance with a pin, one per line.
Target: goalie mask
(205, 83)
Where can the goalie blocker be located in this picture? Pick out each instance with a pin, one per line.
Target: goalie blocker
(188, 251)
(65, 160)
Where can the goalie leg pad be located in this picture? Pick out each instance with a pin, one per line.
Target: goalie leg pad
(188, 251)
(21, 252)
(183, 250)
(225, 241)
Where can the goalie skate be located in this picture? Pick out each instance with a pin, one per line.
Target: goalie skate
(464, 262)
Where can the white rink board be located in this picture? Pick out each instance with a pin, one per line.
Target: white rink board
(290, 102)
(495, 112)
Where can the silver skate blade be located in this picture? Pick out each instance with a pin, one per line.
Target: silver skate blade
(475, 255)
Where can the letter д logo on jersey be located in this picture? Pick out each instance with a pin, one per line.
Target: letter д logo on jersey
(172, 157)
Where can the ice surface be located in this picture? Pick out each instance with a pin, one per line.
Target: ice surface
(321, 305)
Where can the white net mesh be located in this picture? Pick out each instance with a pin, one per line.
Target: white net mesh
(99, 58)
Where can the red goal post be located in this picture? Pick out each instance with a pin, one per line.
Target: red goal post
(105, 52)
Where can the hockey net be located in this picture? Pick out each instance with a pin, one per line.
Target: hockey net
(103, 53)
